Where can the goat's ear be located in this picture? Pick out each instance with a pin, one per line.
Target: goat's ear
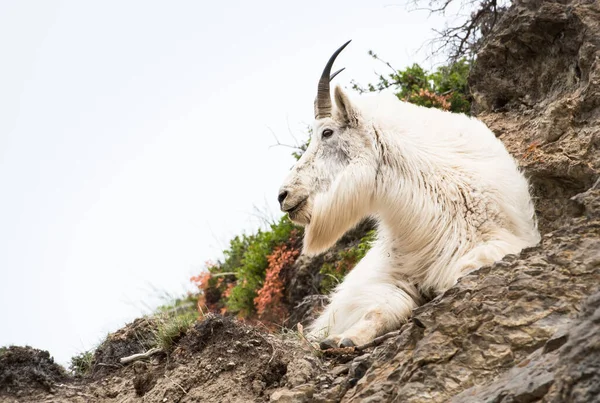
(345, 111)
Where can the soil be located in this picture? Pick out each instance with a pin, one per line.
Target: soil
(218, 360)
(26, 369)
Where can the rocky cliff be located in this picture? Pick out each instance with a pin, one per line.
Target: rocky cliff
(496, 335)
(526, 329)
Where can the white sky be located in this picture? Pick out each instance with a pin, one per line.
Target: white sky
(134, 141)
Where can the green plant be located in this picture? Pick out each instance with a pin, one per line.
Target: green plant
(179, 304)
(446, 88)
(232, 286)
(81, 364)
(345, 260)
(452, 81)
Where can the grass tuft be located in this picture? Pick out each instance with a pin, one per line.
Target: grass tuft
(171, 327)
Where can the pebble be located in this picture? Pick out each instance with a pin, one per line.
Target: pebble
(339, 370)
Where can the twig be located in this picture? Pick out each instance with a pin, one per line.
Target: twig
(176, 384)
(434, 10)
(462, 39)
(305, 340)
(332, 352)
(279, 144)
(287, 120)
(374, 56)
(355, 349)
(227, 273)
(102, 364)
(135, 357)
(273, 353)
(378, 340)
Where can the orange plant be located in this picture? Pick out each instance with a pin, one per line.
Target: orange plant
(202, 282)
(212, 287)
(532, 151)
(429, 98)
(269, 299)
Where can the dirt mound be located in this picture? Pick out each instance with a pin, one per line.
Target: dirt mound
(235, 362)
(217, 360)
(134, 338)
(24, 368)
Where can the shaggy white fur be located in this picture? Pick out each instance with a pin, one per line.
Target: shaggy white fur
(447, 196)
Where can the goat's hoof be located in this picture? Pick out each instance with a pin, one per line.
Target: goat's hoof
(327, 344)
(346, 342)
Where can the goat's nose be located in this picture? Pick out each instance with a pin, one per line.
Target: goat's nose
(282, 197)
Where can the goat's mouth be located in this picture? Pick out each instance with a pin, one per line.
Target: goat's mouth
(298, 214)
(297, 207)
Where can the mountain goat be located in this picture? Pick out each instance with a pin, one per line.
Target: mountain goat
(447, 196)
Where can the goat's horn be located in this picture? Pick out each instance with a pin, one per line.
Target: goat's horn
(323, 100)
(336, 73)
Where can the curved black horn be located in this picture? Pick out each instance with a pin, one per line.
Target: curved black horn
(323, 100)
(336, 73)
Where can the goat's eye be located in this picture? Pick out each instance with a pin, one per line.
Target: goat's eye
(327, 133)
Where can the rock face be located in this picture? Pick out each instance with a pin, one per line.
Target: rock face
(526, 329)
(536, 83)
(566, 369)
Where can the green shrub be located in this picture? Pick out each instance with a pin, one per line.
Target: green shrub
(334, 272)
(81, 364)
(231, 286)
(446, 88)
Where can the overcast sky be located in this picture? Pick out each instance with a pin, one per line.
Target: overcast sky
(135, 140)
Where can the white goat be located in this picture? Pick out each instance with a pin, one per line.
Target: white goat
(447, 196)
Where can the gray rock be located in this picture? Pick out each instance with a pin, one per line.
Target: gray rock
(358, 368)
(570, 373)
(536, 83)
(339, 370)
(299, 394)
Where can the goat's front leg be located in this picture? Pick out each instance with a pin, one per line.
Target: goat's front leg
(370, 302)
(385, 308)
